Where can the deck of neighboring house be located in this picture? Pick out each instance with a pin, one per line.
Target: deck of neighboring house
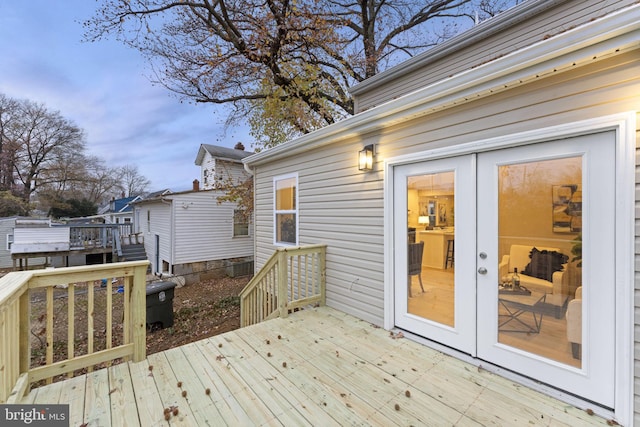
(118, 241)
(316, 367)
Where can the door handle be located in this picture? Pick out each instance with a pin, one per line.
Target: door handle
(482, 270)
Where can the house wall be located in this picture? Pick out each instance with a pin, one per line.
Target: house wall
(204, 229)
(557, 19)
(343, 207)
(160, 225)
(194, 230)
(230, 170)
(6, 227)
(214, 171)
(207, 170)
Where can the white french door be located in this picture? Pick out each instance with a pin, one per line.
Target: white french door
(574, 179)
(435, 202)
(557, 197)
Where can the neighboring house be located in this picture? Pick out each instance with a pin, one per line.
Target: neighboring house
(189, 233)
(137, 224)
(7, 234)
(519, 133)
(119, 211)
(220, 166)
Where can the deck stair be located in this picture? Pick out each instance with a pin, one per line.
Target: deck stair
(133, 252)
(294, 277)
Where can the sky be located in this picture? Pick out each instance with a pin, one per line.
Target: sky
(104, 88)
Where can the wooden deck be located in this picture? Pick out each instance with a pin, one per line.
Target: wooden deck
(316, 367)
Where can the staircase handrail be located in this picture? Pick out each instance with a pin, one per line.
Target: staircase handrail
(116, 241)
(285, 282)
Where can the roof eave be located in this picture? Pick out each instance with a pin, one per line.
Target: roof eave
(607, 33)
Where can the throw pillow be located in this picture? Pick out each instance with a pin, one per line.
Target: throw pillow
(544, 263)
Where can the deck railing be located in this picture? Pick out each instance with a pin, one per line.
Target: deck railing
(27, 313)
(290, 279)
(90, 236)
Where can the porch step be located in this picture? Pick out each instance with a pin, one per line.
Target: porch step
(133, 253)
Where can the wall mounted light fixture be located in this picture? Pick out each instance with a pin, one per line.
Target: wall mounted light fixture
(365, 158)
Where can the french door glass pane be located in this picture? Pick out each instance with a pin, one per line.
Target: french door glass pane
(539, 243)
(431, 247)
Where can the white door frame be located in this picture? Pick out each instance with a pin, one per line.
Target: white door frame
(624, 124)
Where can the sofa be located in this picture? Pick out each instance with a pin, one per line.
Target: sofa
(540, 268)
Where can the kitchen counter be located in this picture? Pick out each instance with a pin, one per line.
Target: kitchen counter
(435, 246)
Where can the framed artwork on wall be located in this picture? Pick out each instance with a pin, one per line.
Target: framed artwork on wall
(567, 208)
(443, 214)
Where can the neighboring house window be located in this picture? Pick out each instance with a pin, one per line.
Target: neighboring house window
(240, 223)
(9, 241)
(286, 209)
(148, 220)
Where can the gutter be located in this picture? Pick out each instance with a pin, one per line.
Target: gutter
(248, 168)
(580, 45)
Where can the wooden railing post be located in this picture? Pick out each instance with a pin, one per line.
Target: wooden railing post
(139, 314)
(282, 283)
(323, 275)
(24, 335)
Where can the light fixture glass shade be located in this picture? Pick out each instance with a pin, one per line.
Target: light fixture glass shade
(365, 158)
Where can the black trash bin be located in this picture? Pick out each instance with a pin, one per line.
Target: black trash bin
(160, 305)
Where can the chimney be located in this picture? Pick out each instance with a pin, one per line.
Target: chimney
(196, 185)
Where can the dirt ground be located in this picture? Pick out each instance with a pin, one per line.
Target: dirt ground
(200, 310)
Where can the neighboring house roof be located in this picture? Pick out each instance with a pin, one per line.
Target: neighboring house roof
(119, 205)
(123, 205)
(172, 196)
(221, 153)
(158, 193)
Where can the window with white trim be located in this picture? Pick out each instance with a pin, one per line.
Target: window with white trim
(240, 223)
(9, 241)
(286, 209)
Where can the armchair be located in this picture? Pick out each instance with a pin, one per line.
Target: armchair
(574, 323)
(519, 257)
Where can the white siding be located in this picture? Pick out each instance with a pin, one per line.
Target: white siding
(192, 228)
(204, 229)
(219, 171)
(343, 207)
(41, 239)
(207, 171)
(6, 227)
(160, 225)
(226, 170)
(553, 21)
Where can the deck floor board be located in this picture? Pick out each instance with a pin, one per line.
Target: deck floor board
(315, 367)
(124, 411)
